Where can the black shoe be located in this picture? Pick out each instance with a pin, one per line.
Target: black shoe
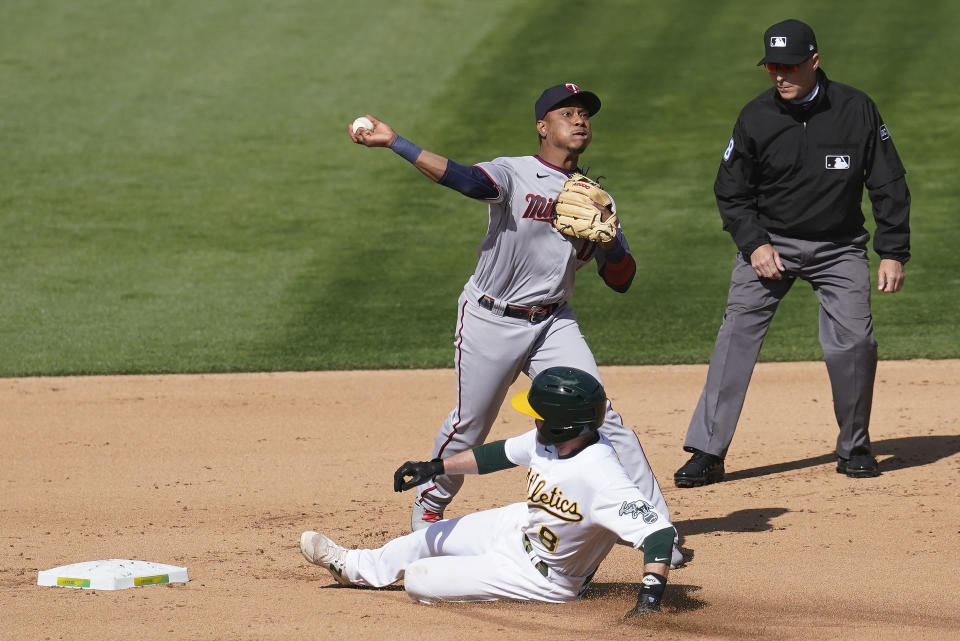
(858, 466)
(701, 469)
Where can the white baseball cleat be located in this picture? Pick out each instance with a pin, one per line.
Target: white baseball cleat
(422, 516)
(676, 558)
(321, 551)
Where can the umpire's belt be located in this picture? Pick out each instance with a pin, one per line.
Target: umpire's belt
(533, 314)
(537, 563)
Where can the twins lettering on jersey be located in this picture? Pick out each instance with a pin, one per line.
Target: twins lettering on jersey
(644, 510)
(550, 501)
(539, 208)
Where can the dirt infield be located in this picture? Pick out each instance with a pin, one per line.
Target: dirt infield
(221, 473)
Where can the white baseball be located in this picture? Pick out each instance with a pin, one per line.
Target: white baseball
(361, 123)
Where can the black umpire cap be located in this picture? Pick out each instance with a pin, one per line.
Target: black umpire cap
(789, 42)
(553, 96)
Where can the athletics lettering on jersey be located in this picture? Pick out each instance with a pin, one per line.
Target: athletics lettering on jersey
(551, 501)
(539, 207)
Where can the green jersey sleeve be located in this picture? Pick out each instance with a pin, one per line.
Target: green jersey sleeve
(492, 457)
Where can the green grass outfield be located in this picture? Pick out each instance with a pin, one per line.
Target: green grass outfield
(178, 192)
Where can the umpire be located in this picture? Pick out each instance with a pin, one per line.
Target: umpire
(789, 190)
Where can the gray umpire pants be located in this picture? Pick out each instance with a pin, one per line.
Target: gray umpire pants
(840, 276)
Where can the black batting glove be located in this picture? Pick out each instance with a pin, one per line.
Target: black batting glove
(651, 592)
(418, 473)
(643, 607)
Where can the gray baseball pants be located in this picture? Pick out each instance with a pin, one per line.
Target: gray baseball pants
(840, 276)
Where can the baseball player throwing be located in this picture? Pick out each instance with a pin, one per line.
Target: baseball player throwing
(579, 501)
(513, 315)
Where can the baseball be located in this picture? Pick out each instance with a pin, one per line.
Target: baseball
(361, 123)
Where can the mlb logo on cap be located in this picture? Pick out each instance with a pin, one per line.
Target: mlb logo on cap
(789, 42)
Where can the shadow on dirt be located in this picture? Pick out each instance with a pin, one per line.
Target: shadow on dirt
(903, 452)
(678, 597)
(751, 520)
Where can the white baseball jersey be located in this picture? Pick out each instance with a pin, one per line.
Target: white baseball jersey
(576, 508)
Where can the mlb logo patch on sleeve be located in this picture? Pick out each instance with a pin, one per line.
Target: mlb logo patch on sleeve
(884, 133)
(838, 162)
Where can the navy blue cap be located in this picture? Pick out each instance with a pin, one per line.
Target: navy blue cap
(789, 42)
(553, 96)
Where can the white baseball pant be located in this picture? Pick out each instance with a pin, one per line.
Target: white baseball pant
(476, 557)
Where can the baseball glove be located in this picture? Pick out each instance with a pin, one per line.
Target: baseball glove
(585, 210)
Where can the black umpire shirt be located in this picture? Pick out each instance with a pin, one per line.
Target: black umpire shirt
(799, 171)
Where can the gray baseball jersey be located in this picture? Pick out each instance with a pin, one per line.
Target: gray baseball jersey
(523, 261)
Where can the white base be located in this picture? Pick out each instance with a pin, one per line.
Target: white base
(112, 574)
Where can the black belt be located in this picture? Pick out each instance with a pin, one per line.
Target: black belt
(533, 314)
(540, 565)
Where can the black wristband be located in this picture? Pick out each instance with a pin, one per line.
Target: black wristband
(405, 149)
(651, 591)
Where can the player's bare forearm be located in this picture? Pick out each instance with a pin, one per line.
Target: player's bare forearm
(431, 165)
(428, 163)
(463, 463)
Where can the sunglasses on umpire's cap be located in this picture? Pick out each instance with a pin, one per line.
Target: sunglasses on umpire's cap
(553, 96)
(788, 43)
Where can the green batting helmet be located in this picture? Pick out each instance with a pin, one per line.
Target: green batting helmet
(569, 402)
